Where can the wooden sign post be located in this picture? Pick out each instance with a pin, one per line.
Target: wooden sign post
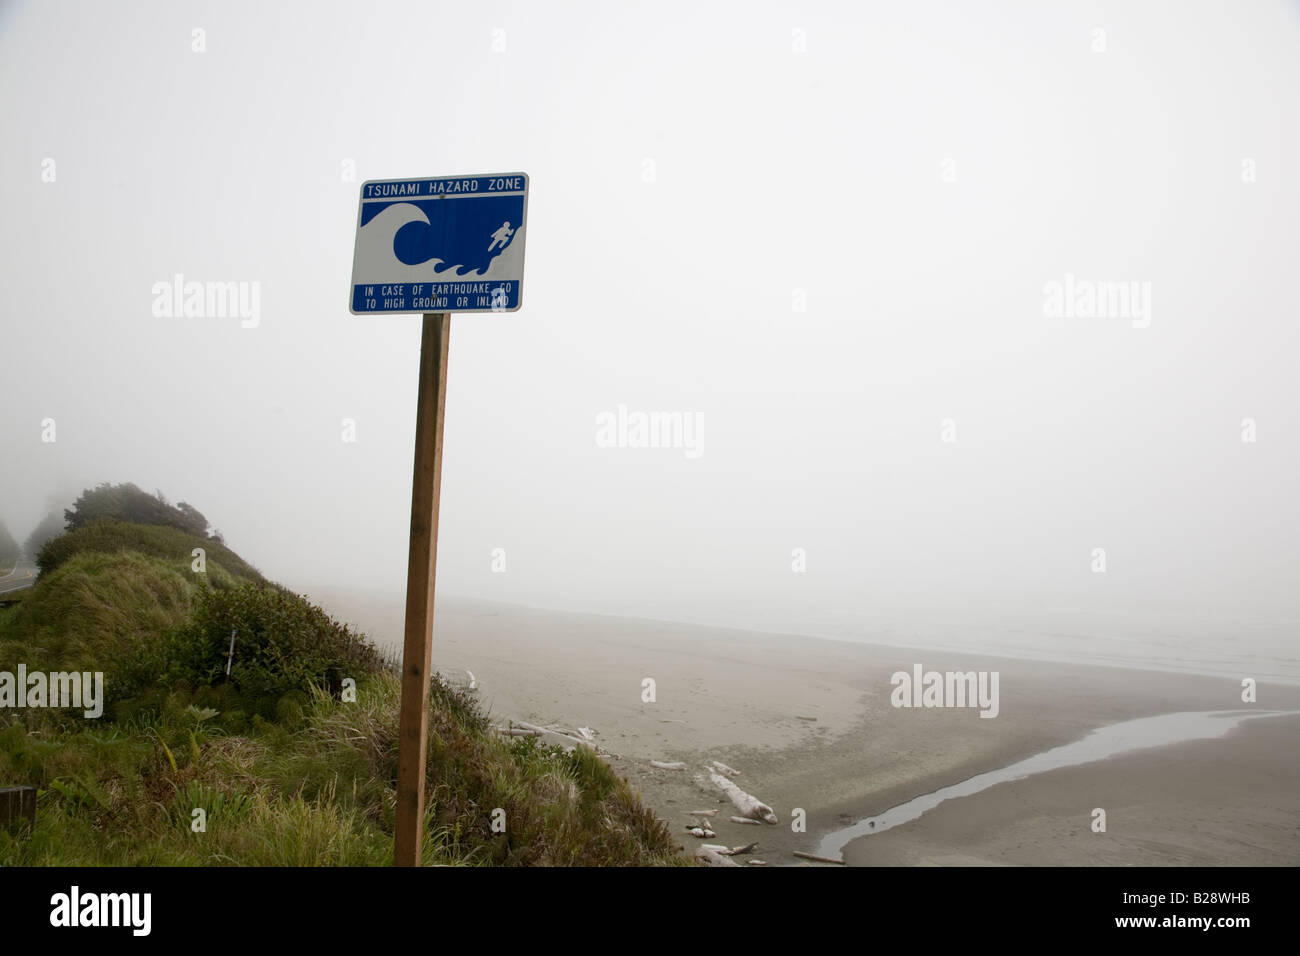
(417, 648)
(450, 244)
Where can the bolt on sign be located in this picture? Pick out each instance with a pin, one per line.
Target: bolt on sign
(448, 244)
(435, 246)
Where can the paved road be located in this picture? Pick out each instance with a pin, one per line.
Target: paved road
(22, 576)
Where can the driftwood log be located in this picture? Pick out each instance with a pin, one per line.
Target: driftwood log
(729, 850)
(819, 859)
(748, 805)
(712, 858)
(591, 745)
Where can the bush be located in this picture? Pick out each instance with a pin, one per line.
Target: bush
(283, 643)
(128, 503)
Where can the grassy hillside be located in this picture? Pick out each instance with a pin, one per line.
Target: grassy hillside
(319, 791)
(224, 568)
(98, 612)
(291, 759)
(111, 596)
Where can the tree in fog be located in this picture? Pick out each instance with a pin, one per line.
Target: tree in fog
(127, 502)
(51, 526)
(8, 548)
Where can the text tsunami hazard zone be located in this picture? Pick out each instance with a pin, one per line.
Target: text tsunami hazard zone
(442, 244)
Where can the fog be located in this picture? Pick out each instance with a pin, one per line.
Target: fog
(826, 235)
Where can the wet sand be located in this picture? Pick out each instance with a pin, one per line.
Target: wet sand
(739, 696)
(1232, 801)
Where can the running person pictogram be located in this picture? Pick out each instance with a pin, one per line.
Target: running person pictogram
(501, 236)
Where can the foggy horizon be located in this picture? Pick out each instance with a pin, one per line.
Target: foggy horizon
(838, 261)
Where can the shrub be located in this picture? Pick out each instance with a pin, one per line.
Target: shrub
(283, 643)
(128, 503)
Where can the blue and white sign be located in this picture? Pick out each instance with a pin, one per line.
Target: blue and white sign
(448, 244)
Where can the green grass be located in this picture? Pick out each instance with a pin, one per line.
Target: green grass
(95, 612)
(224, 568)
(286, 772)
(283, 644)
(318, 795)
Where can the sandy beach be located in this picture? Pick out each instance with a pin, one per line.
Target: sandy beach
(745, 698)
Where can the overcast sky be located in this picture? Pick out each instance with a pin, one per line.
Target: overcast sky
(824, 233)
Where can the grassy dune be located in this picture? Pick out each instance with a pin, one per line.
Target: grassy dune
(94, 608)
(318, 791)
(277, 765)
(224, 568)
